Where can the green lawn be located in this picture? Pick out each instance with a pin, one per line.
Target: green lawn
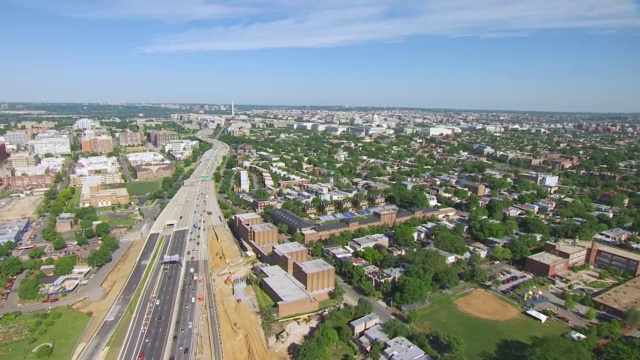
(481, 336)
(63, 333)
(598, 284)
(264, 300)
(136, 188)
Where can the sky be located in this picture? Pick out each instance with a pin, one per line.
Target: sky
(542, 55)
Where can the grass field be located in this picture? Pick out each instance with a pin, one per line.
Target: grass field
(119, 219)
(137, 188)
(63, 333)
(481, 336)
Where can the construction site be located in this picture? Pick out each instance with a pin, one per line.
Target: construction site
(238, 314)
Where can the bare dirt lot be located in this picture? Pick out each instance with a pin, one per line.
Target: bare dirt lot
(19, 208)
(484, 305)
(242, 336)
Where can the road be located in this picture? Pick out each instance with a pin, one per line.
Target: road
(158, 320)
(149, 330)
(351, 297)
(125, 168)
(98, 343)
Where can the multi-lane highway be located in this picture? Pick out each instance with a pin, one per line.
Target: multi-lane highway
(149, 331)
(95, 348)
(158, 317)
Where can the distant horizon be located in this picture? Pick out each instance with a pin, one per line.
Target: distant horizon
(561, 56)
(377, 107)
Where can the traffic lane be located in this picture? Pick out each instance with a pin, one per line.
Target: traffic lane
(131, 349)
(101, 337)
(187, 306)
(161, 319)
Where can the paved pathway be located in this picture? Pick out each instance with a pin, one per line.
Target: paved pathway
(351, 297)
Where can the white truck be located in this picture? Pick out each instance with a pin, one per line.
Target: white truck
(191, 271)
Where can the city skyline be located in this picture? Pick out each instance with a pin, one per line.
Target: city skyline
(539, 56)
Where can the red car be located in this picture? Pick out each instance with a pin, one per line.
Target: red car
(46, 301)
(565, 319)
(141, 355)
(55, 300)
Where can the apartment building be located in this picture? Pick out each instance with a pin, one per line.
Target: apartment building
(51, 142)
(162, 137)
(99, 144)
(24, 159)
(16, 137)
(129, 138)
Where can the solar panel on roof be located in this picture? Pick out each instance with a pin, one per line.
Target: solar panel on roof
(362, 212)
(351, 214)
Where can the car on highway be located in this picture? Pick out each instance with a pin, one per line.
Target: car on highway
(186, 350)
(190, 325)
(141, 355)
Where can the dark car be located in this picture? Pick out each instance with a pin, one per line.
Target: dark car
(186, 350)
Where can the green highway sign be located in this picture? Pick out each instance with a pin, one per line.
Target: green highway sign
(205, 177)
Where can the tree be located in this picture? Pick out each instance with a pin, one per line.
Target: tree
(412, 316)
(59, 243)
(65, 265)
(500, 253)
(81, 240)
(632, 318)
(519, 249)
(89, 233)
(36, 253)
(534, 225)
(569, 303)
(103, 229)
(404, 235)
(12, 266)
(28, 288)
(337, 293)
(297, 237)
(410, 290)
(447, 278)
(44, 351)
(591, 314)
(556, 348)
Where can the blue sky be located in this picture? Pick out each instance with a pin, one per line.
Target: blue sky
(555, 55)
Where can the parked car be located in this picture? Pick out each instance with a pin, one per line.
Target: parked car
(55, 300)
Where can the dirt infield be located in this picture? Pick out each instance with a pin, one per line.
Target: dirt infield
(19, 208)
(484, 305)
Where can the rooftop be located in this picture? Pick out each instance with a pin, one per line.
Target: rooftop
(546, 258)
(247, 216)
(313, 266)
(289, 218)
(282, 249)
(263, 227)
(364, 320)
(284, 285)
(619, 252)
(623, 297)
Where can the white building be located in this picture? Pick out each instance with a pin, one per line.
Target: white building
(16, 137)
(50, 143)
(244, 181)
(97, 164)
(84, 124)
(437, 131)
(369, 241)
(148, 157)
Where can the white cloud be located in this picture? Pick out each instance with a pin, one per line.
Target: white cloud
(268, 24)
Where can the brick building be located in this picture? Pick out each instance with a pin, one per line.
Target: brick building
(30, 182)
(128, 138)
(284, 255)
(250, 228)
(3, 152)
(100, 144)
(162, 137)
(558, 258)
